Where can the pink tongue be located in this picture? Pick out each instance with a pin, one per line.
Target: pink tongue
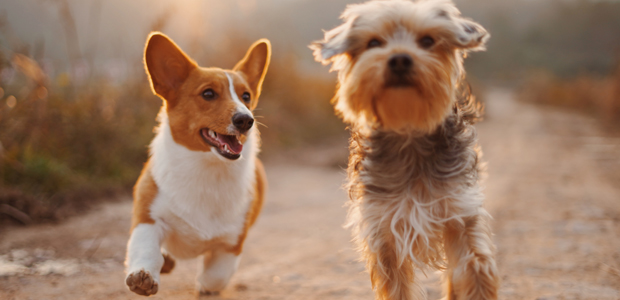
(232, 142)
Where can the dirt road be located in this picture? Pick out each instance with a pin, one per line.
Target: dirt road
(552, 187)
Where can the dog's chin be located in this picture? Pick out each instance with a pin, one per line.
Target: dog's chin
(400, 82)
(228, 146)
(402, 107)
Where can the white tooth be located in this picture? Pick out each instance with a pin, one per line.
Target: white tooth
(211, 133)
(226, 148)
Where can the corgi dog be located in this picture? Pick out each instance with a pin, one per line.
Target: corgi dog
(203, 186)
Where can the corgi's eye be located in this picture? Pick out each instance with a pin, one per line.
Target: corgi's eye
(373, 43)
(426, 42)
(246, 97)
(209, 94)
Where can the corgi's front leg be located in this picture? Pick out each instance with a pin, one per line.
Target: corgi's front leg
(144, 259)
(216, 270)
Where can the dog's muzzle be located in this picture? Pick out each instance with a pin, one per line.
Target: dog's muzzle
(400, 64)
(400, 70)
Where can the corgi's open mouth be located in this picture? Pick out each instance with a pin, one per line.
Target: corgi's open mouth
(226, 145)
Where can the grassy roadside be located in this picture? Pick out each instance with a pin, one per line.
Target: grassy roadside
(65, 145)
(598, 96)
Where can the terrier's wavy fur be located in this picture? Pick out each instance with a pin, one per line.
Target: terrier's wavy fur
(414, 167)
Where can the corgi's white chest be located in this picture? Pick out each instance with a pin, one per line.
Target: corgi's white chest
(201, 195)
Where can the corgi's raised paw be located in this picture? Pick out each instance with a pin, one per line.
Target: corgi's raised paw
(142, 283)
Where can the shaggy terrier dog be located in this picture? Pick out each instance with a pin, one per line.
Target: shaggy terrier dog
(414, 166)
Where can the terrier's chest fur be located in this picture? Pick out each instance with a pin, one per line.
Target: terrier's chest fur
(423, 166)
(423, 180)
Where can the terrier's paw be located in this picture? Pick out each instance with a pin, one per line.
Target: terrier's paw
(142, 283)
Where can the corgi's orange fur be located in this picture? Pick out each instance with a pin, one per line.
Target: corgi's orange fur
(203, 186)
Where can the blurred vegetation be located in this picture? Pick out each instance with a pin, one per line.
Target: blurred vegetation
(72, 139)
(595, 95)
(567, 38)
(569, 57)
(295, 109)
(63, 145)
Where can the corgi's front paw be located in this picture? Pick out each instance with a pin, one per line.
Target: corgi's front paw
(142, 283)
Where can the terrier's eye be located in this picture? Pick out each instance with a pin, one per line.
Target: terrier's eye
(373, 43)
(246, 97)
(426, 42)
(209, 94)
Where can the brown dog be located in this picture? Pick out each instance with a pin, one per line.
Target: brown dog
(414, 163)
(203, 186)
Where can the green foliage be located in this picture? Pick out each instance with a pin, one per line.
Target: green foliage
(58, 142)
(65, 143)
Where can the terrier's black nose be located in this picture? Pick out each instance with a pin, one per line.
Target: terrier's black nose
(243, 122)
(400, 63)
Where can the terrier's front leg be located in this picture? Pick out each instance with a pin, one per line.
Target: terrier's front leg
(471, 273)
(391, 280)
(216, 270)
(391, 270)
(144, 259)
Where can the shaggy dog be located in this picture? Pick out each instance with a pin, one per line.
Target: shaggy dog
(414, 166)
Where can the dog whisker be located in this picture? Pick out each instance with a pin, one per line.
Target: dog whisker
(261, 124)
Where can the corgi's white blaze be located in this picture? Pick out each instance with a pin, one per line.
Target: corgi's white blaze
(241, 108)
(200, 194)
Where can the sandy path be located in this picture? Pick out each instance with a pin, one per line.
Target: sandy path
(551, 190)
(554, 192)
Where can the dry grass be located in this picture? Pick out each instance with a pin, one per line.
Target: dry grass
(295, 108)
(598, 96)
(65, 144)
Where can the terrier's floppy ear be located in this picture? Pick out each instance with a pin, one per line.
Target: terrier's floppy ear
(166, 65)
(255, 64)
(334, 43)
(469, 35)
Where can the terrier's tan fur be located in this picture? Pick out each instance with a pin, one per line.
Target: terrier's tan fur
(414, 166)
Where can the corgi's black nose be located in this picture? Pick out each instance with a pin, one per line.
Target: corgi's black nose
(243, 122)
(400, 63)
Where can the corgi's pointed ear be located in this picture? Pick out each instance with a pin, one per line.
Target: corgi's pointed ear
(166, 65)
(255, 64)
